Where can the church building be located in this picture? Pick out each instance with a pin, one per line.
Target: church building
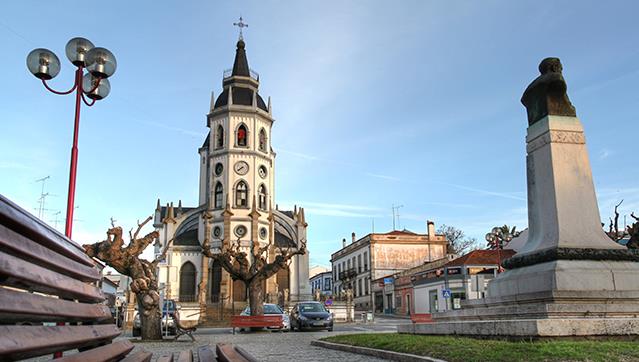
(236, 203)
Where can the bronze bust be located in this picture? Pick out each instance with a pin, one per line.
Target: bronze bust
(546, 95)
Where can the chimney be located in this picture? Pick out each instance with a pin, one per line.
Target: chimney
(353, 237)
(344, 243)
(431, 229)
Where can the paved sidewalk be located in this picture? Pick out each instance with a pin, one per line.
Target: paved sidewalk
(265, 346)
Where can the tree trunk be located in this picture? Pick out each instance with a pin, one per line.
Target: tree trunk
(150, 315)
(256, 298)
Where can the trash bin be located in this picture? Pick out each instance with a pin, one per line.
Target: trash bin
(364, 317)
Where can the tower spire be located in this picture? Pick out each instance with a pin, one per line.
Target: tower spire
(240, 65)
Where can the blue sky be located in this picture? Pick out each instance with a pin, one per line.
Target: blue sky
(412, 103)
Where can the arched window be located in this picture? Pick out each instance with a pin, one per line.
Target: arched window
(241, 194)
(262, 145)
(261, 197)
(187, 282)
(219, 195)
(219, 137)
(242, 136)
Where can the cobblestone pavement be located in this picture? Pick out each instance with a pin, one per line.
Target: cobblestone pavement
(264, 346)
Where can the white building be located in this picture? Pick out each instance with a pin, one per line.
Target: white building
(380, 254)
(323, 282)
(463, 278)
(236, 188)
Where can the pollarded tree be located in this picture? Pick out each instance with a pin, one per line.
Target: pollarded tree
(126, 260)
(251, 265)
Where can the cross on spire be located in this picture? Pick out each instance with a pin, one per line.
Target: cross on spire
(241, 24)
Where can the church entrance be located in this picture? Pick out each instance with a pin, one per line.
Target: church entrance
(188, 275)
(283, 286)
(216, 280)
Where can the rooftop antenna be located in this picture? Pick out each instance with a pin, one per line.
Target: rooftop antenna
(241, 24)
(43, 195)
(395, 212)
(55, 221)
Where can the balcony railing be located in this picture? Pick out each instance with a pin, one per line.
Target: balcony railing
(255, 75)
(347, 274)
(188, 298)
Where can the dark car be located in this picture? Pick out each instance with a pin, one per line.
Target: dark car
(311, 315)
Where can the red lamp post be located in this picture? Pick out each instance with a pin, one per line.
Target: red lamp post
(99, 64)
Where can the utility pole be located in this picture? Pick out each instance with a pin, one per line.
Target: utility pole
(395, 210)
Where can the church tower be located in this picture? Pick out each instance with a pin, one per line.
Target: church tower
(237, 169)
(236, 204)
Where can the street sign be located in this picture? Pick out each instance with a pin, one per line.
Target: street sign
(446, 293)
(388, 280)
(328, 302)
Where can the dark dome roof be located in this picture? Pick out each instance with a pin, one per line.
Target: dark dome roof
(241, 96)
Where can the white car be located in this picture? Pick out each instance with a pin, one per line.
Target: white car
(166, 322)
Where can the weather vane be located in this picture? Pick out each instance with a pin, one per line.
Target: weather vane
(241, 24)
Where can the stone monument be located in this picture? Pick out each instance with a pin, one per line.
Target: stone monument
(569, 279)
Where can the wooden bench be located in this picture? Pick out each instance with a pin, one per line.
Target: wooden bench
(229, 353)
(262, 321)
(47, 279)
(421, 318)
(181, 329)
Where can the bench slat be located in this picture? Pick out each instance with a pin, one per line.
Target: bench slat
(24, 275)
(111, 352)
(33, 228)
(140, 356)
(17, 342)
(27, 249)
(226, 353)
(206, 354)
(257, 321)
(165, 358)
(185, 356)
(17, 306)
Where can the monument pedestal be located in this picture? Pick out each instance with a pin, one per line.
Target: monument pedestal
(569, 279)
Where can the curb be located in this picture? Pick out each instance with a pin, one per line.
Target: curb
(380, 353)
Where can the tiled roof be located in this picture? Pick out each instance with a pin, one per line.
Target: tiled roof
(401, 232)
(482, 257)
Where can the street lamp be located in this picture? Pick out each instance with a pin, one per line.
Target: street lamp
(100, 64)
(500, 236)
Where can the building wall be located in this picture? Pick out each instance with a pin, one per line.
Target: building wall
(393, 258)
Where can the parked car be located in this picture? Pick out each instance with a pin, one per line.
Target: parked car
(311, 315)
(168, 319)
(272, 309)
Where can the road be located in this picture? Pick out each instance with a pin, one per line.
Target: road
(278, 346)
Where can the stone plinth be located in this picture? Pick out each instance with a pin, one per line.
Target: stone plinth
(569, 279)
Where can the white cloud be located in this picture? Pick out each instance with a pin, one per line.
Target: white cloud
(337, 210)
(383, 177)
(605, 153)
